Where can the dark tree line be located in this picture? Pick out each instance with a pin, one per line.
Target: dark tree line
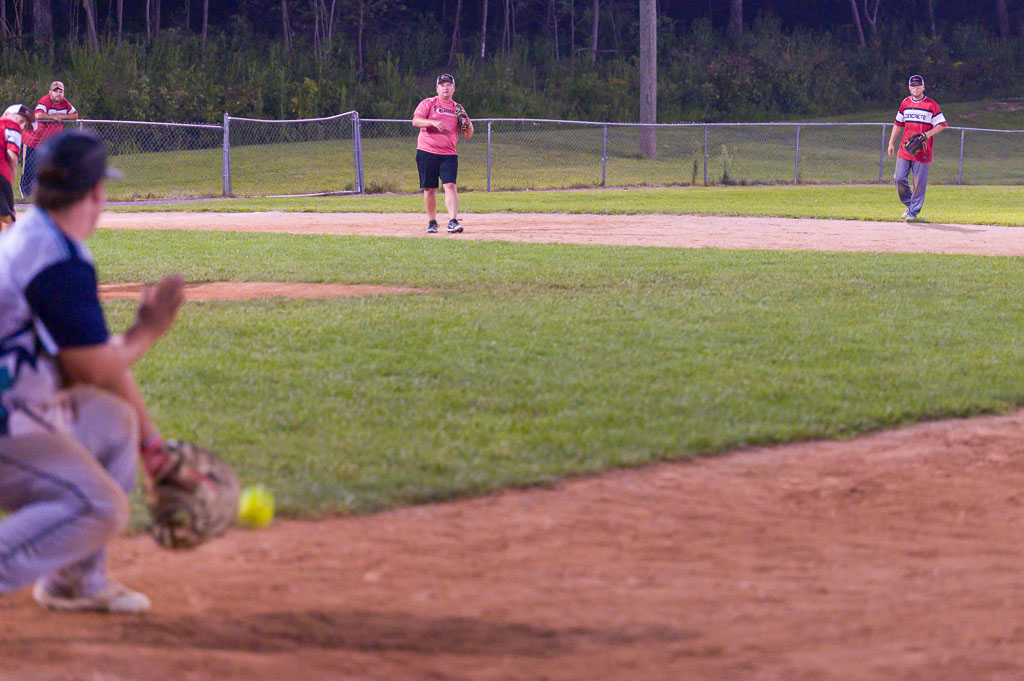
(479, 27)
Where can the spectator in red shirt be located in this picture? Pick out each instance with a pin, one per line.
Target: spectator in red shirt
(51, 112)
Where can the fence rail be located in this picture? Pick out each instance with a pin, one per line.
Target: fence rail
(347, 154)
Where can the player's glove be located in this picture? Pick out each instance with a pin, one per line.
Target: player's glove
(193, 495)
(462, 117)
(915, 143)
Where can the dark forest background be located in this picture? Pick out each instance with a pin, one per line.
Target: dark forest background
(721, 60)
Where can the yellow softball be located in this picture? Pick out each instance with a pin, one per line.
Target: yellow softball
(255, 506)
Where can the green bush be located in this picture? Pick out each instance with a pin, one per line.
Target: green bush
(769, 73)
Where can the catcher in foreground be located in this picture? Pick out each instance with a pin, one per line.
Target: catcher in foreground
(921, 120)
(71, 415)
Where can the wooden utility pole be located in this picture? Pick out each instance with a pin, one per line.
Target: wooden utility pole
(648, 77)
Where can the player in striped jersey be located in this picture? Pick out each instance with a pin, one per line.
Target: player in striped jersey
(917, 114)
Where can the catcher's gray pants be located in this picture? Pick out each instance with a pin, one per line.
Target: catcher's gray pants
(65, 472)
(912, 197)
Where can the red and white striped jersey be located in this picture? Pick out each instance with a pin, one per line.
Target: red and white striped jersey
(12, 142)
(48, 129)
(917, 116)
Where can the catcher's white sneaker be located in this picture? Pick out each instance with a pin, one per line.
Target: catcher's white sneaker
(116, 598)
(909, 218)
(906, 214)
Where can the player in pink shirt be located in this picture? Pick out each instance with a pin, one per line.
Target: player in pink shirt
(917, 114)
(436, 156)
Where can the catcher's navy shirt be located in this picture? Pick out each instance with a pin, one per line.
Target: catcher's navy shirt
(48, 301)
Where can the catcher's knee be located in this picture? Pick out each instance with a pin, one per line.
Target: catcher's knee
(111, 512)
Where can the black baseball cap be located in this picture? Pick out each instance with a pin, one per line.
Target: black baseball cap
(446, 76)
(916, 80)
(73, 161)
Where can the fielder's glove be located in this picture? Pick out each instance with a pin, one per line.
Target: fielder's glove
(463, 118)
(193, 495)
(915, 143)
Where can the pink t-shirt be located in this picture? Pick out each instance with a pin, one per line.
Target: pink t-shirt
(430, 139)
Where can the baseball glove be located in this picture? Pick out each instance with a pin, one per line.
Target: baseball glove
(462, 117)
(915, 143)
(194, 495)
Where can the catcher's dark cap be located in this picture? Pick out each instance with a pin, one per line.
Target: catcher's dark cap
(73, 161)
(916, 80)
(446, 77)
(23, 110)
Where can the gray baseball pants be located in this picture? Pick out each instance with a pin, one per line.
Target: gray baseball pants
(912, 198)
(65, 473)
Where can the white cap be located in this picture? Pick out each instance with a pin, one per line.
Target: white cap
(24, 111)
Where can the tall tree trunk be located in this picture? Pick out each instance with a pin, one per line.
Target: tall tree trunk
(206, 19)
(735, 18)
(1003, 15)
(42, 23)
(455, 33)
(931, 17)
(90, 24)
(483, 32)
(593, 32)
(505, 24)
(120, 19)
(871, 16)
(648, 77)
(362, 15)
(572, 28)
(156, 18)
(286, 30)
(554, 27)
(856, 22)
(188, 14)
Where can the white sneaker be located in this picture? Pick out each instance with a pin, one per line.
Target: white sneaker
(906, 214)
(116, 598)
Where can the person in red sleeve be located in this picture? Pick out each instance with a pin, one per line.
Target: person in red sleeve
(51, 111)
(917, 114)
(436, 156)
(16, 120)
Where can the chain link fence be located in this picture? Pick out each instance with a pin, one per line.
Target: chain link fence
(513, 154)
(346, 154)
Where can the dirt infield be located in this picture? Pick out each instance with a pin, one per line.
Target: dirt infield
(897, 555)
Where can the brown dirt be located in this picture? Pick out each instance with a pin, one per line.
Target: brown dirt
(248, 290)
(897, 555)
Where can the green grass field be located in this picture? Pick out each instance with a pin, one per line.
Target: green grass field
(534, 362)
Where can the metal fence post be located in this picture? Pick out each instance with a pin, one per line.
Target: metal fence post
(357, 148)
(960, 172)
(489, 123)
(796, 158)
(604, 156)
(226, 171)
(705, 156)
(881, 155)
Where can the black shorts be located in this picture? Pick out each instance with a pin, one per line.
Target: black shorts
(432, 166)
(6, 197)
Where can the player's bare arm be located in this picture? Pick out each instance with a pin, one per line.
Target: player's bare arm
(421, 122)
